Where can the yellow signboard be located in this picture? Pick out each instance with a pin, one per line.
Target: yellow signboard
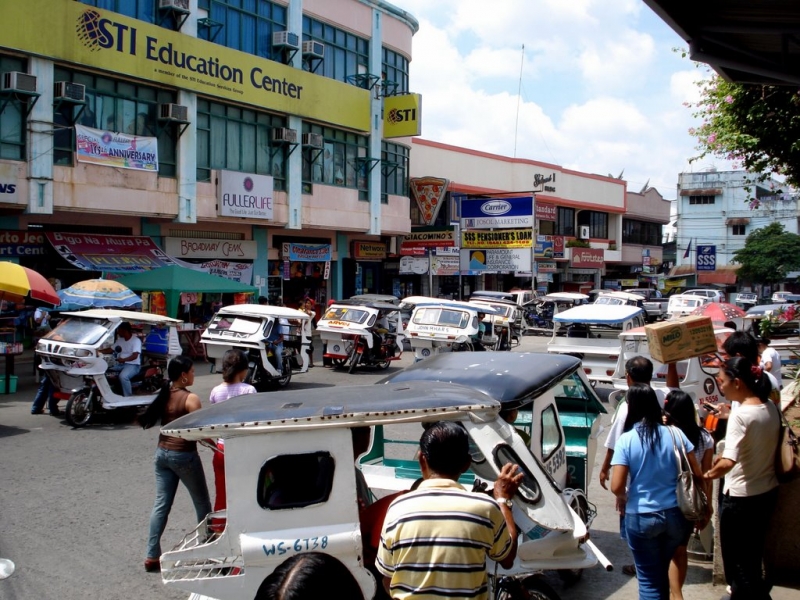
(402, 115)
(505, 238)
(75, 33)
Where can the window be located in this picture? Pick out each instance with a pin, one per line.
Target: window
(551, 432)
(247, 25)
(529, 488)
(738, 230)
(395, 72)
(344, 52)
(597, 222)
(114, 105)
(338, 162)
(238, 139)
(394, 170)
(702, 199)
(12, 117)
(280, 488)
(641, 232)
(144, 10)
(565, 221)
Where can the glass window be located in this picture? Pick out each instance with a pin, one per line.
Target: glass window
(144, 10)
(597, 222)
(238, 139)
(280, 488)
(641, 232)
(702, 199)
(246, 26)
(344, 52)
(114, 105)
(394, 170)
(395, 72)
(565, 221)
(738, 230)
(529, 488)
(339, 161)
(551, 432)
(12, 117)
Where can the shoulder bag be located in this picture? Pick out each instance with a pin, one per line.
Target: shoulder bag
(692, 498)
(787, 454)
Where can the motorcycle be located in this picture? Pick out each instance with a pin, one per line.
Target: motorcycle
(75, 357)
(380, 355)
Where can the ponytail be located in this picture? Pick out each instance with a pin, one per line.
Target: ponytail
(752, 376)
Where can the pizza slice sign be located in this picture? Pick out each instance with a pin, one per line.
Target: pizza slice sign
(429, 193)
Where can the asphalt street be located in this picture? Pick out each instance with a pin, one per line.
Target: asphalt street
(75, 503)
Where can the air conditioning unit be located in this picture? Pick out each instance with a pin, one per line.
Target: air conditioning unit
(66, 90)
(173, 112)
(314, 49)
(285, 39)
(15, 81)
(312, 140)
(284, 134)
(181, 6)
(583, 232)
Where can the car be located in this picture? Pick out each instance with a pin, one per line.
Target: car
(712, 295)
(780, 297)
(746, 300)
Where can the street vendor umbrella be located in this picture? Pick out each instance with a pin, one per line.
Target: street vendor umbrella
(21, 282)
(719, 312)
(98, 293)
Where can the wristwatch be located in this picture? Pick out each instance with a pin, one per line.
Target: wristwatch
(507, 501)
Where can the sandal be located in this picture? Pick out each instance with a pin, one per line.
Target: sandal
(629, 570)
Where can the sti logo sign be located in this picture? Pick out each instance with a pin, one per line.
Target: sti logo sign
(706, 258)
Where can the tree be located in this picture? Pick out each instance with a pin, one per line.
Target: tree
(755, 124)
(768, 254)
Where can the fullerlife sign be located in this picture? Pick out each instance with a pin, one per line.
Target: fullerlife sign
(244, 195)
(111, 149)
(497, 213)
(233, 250)
(504, 238)
(429, 192)
(706, 258)
(498, 260)
(587, 258)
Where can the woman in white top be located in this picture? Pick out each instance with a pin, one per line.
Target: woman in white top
(748, 464)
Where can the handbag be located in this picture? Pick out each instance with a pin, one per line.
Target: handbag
(692, 498)
(787, 454)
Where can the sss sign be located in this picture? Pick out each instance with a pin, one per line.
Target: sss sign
(706, 258)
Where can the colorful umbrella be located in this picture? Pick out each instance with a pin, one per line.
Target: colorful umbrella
(20, 281)
(719, 312)
(98, 293)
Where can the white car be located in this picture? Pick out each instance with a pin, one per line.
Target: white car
(781, 297)
(711, 295)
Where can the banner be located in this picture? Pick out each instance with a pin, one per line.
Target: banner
(307, 252)
(588, 258)
(444, 265)
(241, 272)
(412, 265)
(496, 260)
(111, 149)
(111, 253)
(506, 238)
(494, 213)
(204, 248)
(543, 247)
(21, 243)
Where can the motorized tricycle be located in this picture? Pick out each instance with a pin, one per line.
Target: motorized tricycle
(272, 514)
(362, 333)
(277, 341)
(79, 354)
(785, 332)
(502, 323)
(537, 315)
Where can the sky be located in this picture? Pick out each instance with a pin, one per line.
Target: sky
(599, 88)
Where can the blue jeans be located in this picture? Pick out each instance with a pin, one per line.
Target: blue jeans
(45, 393)
(653, 538)
(128, 372)
(172, 467)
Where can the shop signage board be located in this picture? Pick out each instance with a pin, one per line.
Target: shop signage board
(429, 193)
(369, 250)
(547, 267)
(8, 183)
(545, 212)
(180, 247)
(504, 238)
(497, 213)
(543, 247)
(444, 265)
(592, 258)
(75, 33)
(237, 271)
(402, 115)
(307, 252)
(498, 260)
(706, 257)
(110, 253)
(244, 195)
(112, 149)
(413, 265)
(428, 238)
(21, 243)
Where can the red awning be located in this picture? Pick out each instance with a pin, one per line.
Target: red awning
(724, 275)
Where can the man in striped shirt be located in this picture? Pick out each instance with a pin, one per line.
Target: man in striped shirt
(436, 539)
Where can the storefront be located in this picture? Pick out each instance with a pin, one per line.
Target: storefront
(429, 263)
(303, 271)
(369, 277)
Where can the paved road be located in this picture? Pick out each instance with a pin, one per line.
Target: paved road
(74, 505)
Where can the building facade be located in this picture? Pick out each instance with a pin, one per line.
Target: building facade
(265, 118)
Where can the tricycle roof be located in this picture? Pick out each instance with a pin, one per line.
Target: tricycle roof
(598, 313)
(513, 378)
(565, 296)
(341, 406)
(263, 310)
(376, 305)
(122, 315)
(764, 310)
(623, 295)
(459, 305)
(387, 298)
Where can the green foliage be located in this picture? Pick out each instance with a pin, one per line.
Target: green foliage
(757, 125)
(577, 244)
(768, 254)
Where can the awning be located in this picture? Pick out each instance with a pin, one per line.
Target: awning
(723, 275)
(737, 221)
(110, 253)
(681, 271)
(702, 192)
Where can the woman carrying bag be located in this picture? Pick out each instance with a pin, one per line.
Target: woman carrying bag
(750, 489)
(645, 479)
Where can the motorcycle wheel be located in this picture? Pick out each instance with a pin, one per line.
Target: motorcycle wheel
(338, 363)
(283, 381)
(383, 365)
(531, 588)
(80, 409)
(354, 358)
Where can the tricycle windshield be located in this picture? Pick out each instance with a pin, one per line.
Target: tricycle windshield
(236, 323)
(347, 313)
(80, 331)
(445, 317)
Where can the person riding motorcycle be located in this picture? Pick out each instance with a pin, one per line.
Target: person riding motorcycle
(129, 361)
(275, 339)
(477, 339)
(378, 330)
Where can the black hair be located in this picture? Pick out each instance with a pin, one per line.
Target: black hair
(176, 367)
(644, 409)
(730, 325)
(125, 326)
(310, 576)
(741, 343)
(752, 376)
(233, 362)
(263, 300)
(683, 414)
(445, 446)
(640, 369)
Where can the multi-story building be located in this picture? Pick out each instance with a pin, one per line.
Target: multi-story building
(245, 133)
(718, 209)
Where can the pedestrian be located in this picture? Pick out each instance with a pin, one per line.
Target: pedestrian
(234, 371)
(327, 361)
(310, 576)
(770, 359)
(682, 413)
(644, 481)
(263, 300)
(176, 459)
(750, 490)
(45, 393)
(307, 306)
(461, 529)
